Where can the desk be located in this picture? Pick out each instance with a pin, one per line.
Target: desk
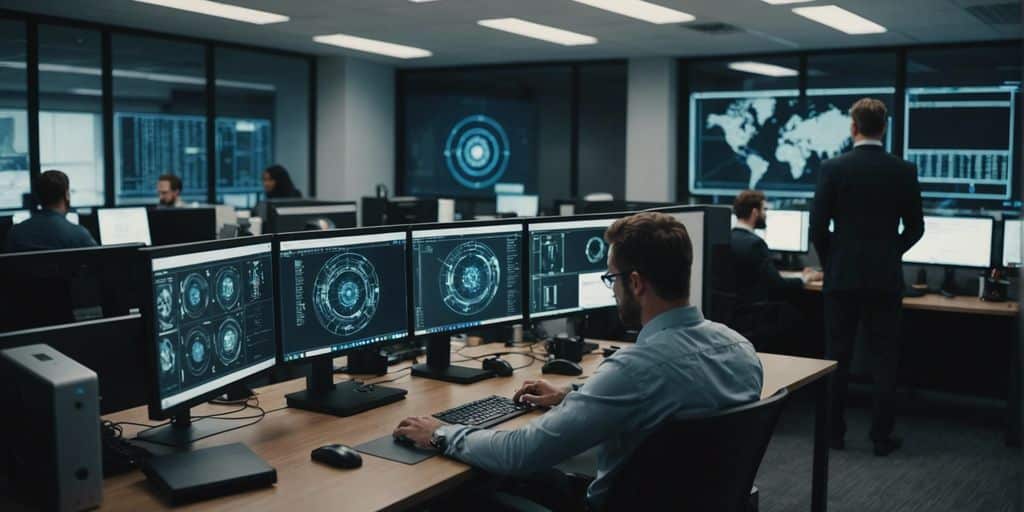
(285, 438)
(968, 306)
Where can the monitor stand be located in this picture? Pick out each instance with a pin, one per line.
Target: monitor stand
(574, 326)
(790, 261)
(439, 367)
(182, 431)
(342, 399)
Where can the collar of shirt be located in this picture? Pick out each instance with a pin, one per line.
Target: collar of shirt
(744, 227)
(48, 212)
(868, 142)
(675, 317)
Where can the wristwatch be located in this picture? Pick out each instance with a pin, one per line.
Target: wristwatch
(439, 441)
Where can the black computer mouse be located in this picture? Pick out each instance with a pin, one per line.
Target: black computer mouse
(337, 455)
(405, 441)
(499, 366)
(562, 367)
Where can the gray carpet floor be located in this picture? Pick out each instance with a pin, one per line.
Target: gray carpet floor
(951, 460)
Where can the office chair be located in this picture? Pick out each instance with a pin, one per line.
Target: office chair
(761, 321)
(697, 463)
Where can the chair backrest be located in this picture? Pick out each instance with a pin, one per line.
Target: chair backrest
(723, 285)
(702, 463)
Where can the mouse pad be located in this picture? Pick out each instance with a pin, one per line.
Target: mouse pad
(386, 448)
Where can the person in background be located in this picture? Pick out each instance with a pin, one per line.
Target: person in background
(680, 363)
(168, 188)
(48, 228)
(866, 193)
(278, 184)
(756, 275)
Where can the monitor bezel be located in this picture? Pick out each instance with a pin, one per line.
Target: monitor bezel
(524, 299)
(1002, 244)
(156, 412)
(337, 233)
(529, 275)
(991, 245)
(99, 232)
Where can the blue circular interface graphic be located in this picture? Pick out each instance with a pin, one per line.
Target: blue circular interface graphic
(477, 152)
(596, 249)
(346, 294)
(196, 293)
(198, 346)
(167, 357)
(228, 287)
(229, 337)
(469, 278)
(165, 307)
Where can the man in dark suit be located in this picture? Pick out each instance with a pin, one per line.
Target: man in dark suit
(866, 193)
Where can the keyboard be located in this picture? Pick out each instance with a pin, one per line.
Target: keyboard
(484, 413)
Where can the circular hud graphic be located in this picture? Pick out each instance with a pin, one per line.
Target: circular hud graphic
(346, 294)
(229, 341)
(595, 250)
(195, 295)
(477, 152)
(469, 278)
(167, 355)
(165, 307)
(228, 287)
(198, 352)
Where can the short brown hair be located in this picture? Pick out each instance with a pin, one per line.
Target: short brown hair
(869, 115)
(657, 246)
(173, 180)
(746, 202)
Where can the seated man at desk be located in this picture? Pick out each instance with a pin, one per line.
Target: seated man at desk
(756, 275)
(681, 363)
(48, 228)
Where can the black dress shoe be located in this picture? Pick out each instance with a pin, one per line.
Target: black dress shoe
(886, 446)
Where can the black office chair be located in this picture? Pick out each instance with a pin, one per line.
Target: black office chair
(762, 321)
(704, 463)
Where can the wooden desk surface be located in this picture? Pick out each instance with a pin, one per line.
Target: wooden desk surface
(940, 303)
(285, 438)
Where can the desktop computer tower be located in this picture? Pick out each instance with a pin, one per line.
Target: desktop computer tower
(51, 436)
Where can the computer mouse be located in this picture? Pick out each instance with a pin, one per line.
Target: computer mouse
(338, 455)
(562, 367)
(499, 366)
(405, 441)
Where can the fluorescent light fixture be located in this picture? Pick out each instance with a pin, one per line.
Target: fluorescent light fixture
(640, 10)
(537, 31)
(840, 19)
(231, 12)
(83, 91)
(420, 1)
(373, 46)
(760, 68)
(783, 2)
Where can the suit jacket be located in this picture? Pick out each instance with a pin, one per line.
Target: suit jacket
(756, 276)
(866, 192)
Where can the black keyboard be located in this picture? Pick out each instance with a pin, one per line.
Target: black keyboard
(484, 413)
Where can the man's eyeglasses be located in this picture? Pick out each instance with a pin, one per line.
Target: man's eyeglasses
(609, 278)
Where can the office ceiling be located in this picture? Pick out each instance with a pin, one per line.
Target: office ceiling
(448, 27)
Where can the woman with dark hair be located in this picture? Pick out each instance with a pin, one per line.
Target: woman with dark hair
(277, 183)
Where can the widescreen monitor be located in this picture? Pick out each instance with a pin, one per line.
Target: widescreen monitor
(954, 242)
(209, 320)
(1011, 243)
(123, 226)
(168, 226)
(785, 231)
(290, 218)
(521, 205)
(566, 260)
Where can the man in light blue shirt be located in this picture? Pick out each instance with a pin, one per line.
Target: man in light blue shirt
(681, 364)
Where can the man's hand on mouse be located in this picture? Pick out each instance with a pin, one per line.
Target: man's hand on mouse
(419, 429)
(540, 393)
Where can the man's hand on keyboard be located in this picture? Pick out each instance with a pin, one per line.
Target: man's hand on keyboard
(540, 393)
(419, 429)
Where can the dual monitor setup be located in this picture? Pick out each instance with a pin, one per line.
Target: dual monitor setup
(219, 312)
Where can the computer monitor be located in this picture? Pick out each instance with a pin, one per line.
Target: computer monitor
(954, 242)
(786, 231)
(123, 226)
(210, 322)
(521, 205)
(341, 292)
(289, 218)
(464, 275)
(19, 216)
(111, 347)
(169, 226)
(1012, 229)
(567, 258)
(43, 288)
